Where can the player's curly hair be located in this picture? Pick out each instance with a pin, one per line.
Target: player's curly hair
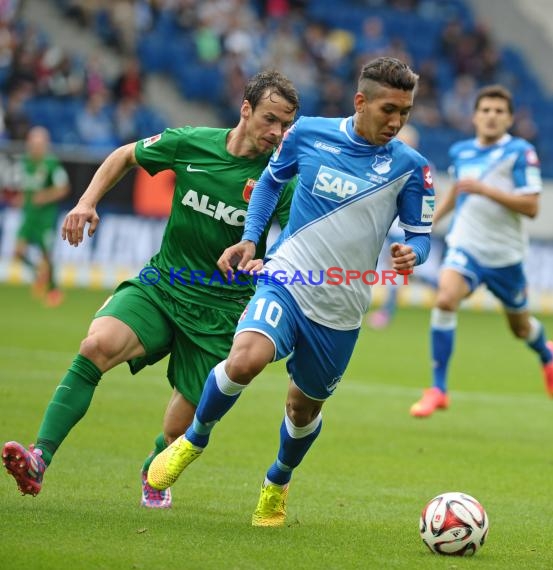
(387, 71)
(276, 82)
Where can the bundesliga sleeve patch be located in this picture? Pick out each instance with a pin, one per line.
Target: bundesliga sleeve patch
(427, 211)
(533, 177)
(151, 140)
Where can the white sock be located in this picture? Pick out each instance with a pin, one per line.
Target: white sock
(224, 383)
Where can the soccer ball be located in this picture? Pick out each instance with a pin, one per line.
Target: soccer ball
(454, 524)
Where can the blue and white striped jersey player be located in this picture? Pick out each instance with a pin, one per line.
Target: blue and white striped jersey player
(353, 179)
(497, 183)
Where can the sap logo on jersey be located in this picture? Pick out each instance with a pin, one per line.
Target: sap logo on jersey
(338, 186)
(220, 211)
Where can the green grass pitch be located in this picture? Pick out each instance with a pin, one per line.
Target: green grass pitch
(354, 502)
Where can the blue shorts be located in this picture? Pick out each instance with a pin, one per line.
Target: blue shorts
(318, 355)
(508, 284)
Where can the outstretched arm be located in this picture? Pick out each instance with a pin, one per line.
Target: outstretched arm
(262, 204)
(445, 205)
(114, 167)
(525, 204)
(52, 194)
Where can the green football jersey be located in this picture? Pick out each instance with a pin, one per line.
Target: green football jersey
(212, 191)
(38, 176)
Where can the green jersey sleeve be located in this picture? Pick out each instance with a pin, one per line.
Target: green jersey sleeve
(59, 176)
(158, 152)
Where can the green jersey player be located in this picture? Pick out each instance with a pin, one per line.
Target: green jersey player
(44, 182)
(177, 305)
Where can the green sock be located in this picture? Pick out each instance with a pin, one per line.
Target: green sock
(160, 445)
(68, 405)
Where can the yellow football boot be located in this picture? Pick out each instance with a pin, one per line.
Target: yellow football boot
(271, 508)
(171, 462)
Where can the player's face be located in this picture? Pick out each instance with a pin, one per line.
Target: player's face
(37, 142)
(380, 115)
(492, 119)
(267, 123)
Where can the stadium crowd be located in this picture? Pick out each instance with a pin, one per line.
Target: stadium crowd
(68, 93)
(210, 48)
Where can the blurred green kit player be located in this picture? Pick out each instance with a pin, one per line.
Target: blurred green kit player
(44, 182)
(168, 309)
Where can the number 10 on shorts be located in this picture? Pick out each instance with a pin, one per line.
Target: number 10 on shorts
(270, 312)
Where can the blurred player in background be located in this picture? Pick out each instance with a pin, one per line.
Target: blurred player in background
(383, 316)
(497, 182)
(44, 182)
(353, 179)
(169, 308)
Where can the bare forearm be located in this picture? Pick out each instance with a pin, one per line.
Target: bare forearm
(52, 194)
(445, 205)
(116, 165)
(525, 204)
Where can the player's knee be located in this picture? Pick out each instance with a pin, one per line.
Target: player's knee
(97, 348)
(244, 364)
(301, 414)
(520, 330)
(446, 302)
(243, 370)
(249, 355)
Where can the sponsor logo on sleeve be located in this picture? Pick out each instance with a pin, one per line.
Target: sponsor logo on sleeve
(151, 140)
(533, 177)
(427, 177)
(532, 158)
(427, 211)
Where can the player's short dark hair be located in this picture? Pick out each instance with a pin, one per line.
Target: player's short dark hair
(495, 92)
(275, 82)
(387, 71)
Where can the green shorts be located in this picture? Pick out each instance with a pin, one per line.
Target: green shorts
(196, 337)
(37, 234)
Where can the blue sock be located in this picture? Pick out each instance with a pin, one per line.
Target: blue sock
(218, 396)
(294, 444)
(443, 327)
(391, 302)
(536, 340)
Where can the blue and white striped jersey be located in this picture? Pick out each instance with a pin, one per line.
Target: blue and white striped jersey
(347, 196)
(493, 234)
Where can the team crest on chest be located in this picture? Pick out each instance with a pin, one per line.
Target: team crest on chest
(382, 164)
(248, 189)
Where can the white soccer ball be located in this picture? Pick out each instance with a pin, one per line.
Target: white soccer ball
(454, 524)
